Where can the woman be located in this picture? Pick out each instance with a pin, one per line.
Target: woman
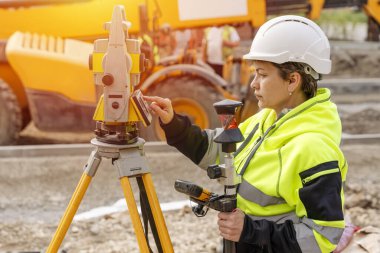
(291, 195)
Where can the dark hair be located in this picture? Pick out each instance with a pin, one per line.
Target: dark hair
(309, 84)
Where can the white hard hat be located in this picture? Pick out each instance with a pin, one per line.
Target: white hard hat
(292, 38)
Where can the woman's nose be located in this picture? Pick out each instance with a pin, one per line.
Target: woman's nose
(254, 83)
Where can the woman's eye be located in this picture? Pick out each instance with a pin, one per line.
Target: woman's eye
(262, 75)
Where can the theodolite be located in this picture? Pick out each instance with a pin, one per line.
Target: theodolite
(224, 173)
(117, 63)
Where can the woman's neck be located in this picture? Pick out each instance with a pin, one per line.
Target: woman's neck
(294, 100)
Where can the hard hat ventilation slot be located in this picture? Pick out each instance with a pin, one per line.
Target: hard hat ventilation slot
(296, 20)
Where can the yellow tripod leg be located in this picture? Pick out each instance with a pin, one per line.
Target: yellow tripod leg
(69, 213)
(132, 208)
(157, 214)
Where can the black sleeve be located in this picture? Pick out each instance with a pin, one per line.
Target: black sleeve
(272, 236)
(189, 139)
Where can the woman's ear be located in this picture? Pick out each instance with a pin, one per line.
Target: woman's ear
(294, 81)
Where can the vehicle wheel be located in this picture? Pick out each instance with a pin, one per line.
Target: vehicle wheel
(190, 96)
(10, 115)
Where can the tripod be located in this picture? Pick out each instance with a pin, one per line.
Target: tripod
(130, 161)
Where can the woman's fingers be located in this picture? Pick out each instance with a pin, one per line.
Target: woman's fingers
(159, 100)
(157, 109)
(231, 224)
(162, 107)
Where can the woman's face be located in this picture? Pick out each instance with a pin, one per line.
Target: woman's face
(271, 90)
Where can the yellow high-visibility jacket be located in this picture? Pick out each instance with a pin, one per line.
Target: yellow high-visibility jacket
(297, 171)
(292, 175)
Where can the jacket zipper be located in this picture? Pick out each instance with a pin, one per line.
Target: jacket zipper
(255, 148)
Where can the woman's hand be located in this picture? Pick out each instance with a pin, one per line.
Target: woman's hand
(162, 107)
(231, 224)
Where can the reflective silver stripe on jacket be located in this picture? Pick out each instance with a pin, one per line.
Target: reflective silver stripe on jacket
(214, 150)
(332, 234)
(304, 230)
(251, 193)
(306, 239)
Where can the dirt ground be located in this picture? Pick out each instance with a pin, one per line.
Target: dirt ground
(35, 192)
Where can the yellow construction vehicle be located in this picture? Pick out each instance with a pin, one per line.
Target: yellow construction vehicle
(44, 62)
(44, 49)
